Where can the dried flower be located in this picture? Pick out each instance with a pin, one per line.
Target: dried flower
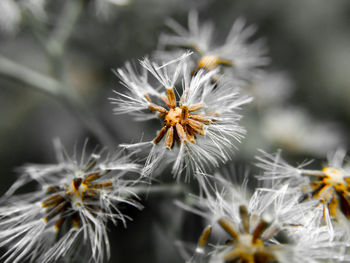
(236, 52)
(329, 186)
(199, 126)
(271, 226)
(70, 209)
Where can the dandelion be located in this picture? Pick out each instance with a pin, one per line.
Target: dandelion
(235, 53)
(199, 119)
(329, 186)
(69, 210)
(268, 227)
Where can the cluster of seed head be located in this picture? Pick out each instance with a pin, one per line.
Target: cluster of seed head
(78, 203)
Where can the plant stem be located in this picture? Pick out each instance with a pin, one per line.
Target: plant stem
(70, 14)
(28, 76)
(59, 91)
(57, 41)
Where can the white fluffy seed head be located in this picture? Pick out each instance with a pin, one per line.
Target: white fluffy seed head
(213, 106)
(304, 239)
(74, 201)
(237, 52)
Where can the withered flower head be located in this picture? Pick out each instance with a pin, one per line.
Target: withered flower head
(269, 226)
(199, 118)
(330, 186)
(241, 56)
(69, 210)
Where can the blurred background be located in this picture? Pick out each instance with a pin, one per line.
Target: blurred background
(56, 61)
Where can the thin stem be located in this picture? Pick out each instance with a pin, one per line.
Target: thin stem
(57, 87)
(68, 18)
(56, 43)
(51, 86)
(38, 29)
(312, 172)
(28, 76)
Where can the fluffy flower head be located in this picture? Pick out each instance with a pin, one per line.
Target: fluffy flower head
(69, 210)
(199, 118)
(236, 52)
(330, 186)
(253, 227)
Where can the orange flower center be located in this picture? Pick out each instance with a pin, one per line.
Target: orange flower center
(173, 116)
(333, 189)
(181, 124)
(335, 177)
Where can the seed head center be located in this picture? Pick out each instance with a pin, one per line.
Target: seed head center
(173, 116)
(76, 190)
(334, 176)
(246, 250)
(246, 240)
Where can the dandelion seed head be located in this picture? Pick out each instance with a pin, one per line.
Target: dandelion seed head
(270, 226)
(335, 177)
(75, 200)
(199, 118)
(328, 188)
(245, 239)
(236, 53)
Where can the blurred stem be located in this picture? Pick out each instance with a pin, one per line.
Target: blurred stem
(57, 86)
(68, 18)
(57, 41)
(38, 29)
(25, 75)
(51, 86)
